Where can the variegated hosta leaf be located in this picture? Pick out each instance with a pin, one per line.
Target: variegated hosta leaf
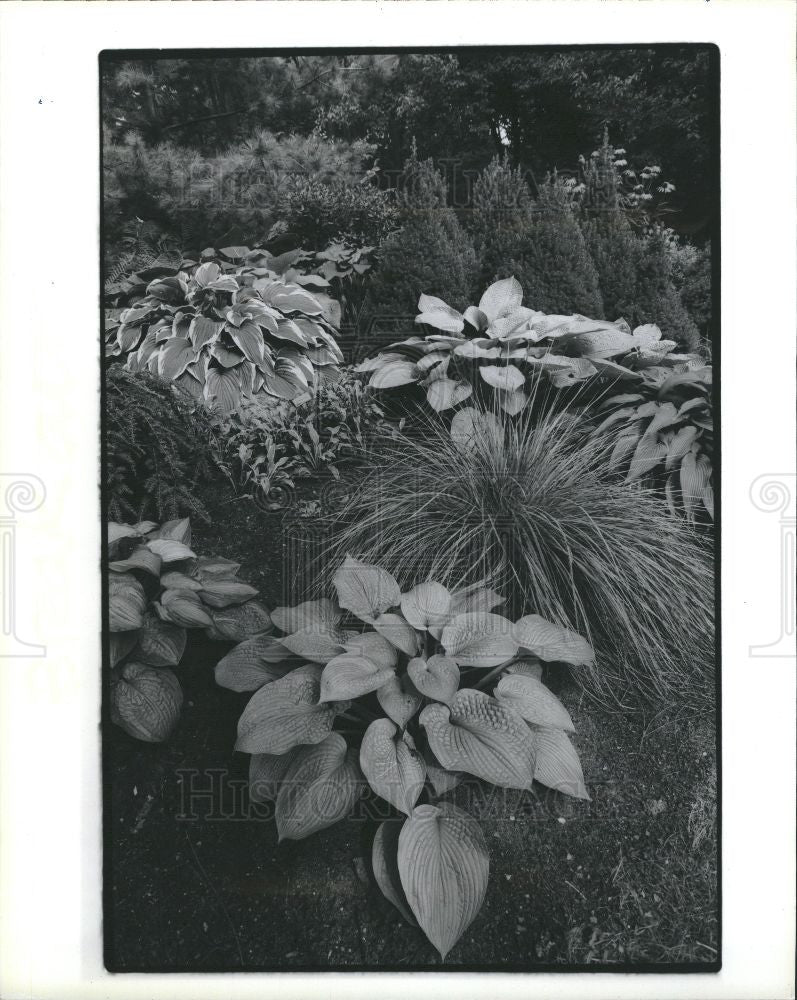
(146, 702)
(444, 867)
(442, 781)
(224, 593)
(397, 631)
(476, 318)
(391, 764)
(350, 676)
(399, 699)
(183, 607)
(318, 616)
(427, 604)
(286, 713)
(141, 558)
(695, 478)
(393, 374)
(126, 606)
(242, 621)
(533, 701)
(479, 347)
(170, 550)
(602, 343)
(374, 647)
(216, 568)
(548, 641)
(448, 322)
(365, 590)
(501, 298)
(320, 647)
(384, 858)
(512, 402)
(558, 766)
(253, 663)
(266, 771)
(319, 788)
(479, 735)
(179, 581)
(650, 452)
(160, 644)
(680, 446)
(479, 639)
(436, 678)
(444, 393)
(647, 335)
(506, 377)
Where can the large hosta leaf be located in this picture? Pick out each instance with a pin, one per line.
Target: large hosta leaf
(533, 701)
(141, 558)
(146, 702)
(183, 607)
(501, 298)
(321, 616)
(253, 663)
(397, 631)
(223, 593)
(506, 377)
(365, 590)
(557, 764)
(286, 713)
(392, 765)
(399, 699)
(350, 676)
(318, 789)
(479, 735)
(320, 647)
(393, 374)
(436, 678)
(471, 429)
(160, 644)
(384, 858)
(266, 771)
(374, 647)
(479, 639)
(427, 604)
(548, 641)
(444, 867)
(170, 549)
(444, 393)
(126, 606)
(442, 781)
(223, 389)
(241, 621)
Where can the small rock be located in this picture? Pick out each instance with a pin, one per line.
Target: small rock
(561, 819)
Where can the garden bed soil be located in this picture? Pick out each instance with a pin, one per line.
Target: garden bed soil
(196, 880)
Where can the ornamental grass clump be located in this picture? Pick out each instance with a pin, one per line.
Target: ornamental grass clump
(530, 506)
(407, 692)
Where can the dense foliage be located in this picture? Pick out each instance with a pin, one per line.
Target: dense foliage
(412, 668)
(159, 448)
(241, 324)
(158, 588)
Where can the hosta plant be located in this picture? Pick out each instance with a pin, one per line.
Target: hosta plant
(665, 434)
(158, 589)
(430, 687)
(500, 347)
(238, 324)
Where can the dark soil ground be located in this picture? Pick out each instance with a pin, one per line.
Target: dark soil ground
(195, 879)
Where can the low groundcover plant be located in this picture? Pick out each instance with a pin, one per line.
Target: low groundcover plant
(443, 687)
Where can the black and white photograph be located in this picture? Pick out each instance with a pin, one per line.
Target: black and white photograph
(410, 455)
(398, 499)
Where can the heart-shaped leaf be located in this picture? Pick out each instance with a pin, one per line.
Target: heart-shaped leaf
(436, 678)
(533, 701)
(242, 621)
(160, 644)
(476, 318)
(223, 593)
(320, 647)
(170, 550)
(479, 639)
(175, 355)
(374, 647)
(365, 590)
(123, 643)
(350, 676)
(552, 642)
(427, 604)
(126, 607)
(253, 663)
(179, 581)
(512, 402)
(557, 764)
(384, 858)
(444, 393)
(442, 781)
(223, 389)
(286, 713)
(393, 374)
(448, 321)
(506, 377)
(183, 607)
(501, 298)
(397, 631)
(318, 789)
(146, 702)
(320, 616)
(471, 430)
(477, 734)
(266, 771)
(444, 867)
(399, 699)
(391, 764)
